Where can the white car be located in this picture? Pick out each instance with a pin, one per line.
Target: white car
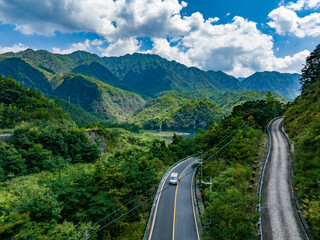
(173, 178)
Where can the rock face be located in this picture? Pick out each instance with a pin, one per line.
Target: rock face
(96, 139)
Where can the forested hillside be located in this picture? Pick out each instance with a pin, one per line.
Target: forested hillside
(98, 98)
(176, 111)
(230, 208)
(53, 181)
(116, 88)
(227, 81)
(150, 74)
(284, 84)
(302, 122)
(230, 99)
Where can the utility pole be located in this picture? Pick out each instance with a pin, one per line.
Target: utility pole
(69, 100)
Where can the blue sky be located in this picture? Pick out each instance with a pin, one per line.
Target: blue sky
(238, 37)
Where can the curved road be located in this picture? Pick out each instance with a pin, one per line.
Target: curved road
(174, 213)
(279, 218)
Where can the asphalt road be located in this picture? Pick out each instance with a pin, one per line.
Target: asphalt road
(174, 212)
(279, 218)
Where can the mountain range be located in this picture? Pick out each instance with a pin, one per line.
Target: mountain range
(121, 88)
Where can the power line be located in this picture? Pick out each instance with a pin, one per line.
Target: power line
(120, 208)
(218, 150)
(126, 213)
(162, 190)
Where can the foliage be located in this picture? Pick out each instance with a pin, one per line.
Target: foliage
(98, 98)
(47, 140)
(175, 111)
(285, 84)
(262, 111)
(230, 99)
(18, 104)
(227, 81)
(302, 122)
(311, 70)
(230, 207)
(77, 114)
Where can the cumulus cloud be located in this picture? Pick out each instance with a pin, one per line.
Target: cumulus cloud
(15, 48)
(304, 4)
(121, 47)
(285, 19)
(237, 48)
(81, 46)
(108, 18)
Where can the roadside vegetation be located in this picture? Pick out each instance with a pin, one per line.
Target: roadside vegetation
(302, 122)
(54, 181)
(230, 208)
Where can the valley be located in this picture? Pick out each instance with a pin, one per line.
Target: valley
(92, 140)
(141, 89)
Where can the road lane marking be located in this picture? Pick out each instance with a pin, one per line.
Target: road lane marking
(193, 206)
(159, 196)
(175, 200)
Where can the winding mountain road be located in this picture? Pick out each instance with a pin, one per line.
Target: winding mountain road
(174, 216)
(279, 219)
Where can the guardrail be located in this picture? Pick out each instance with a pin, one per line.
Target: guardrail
(157, 195)
(196, 201)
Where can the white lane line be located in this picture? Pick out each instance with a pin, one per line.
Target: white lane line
(192, 196)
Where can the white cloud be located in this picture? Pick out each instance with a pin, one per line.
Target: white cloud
(237, 48)
(121, 47)
(285, 19)
(81, 46)
(15, 48)
(97, 42)
(212, 20)
(303, 4)
(111, 19)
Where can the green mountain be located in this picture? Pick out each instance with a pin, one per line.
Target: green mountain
(29, 76)
(98, 71)
(149, 75)
(174, 110)
(302, 123)
(97, 89)
(227, 81)
(77, 114)
(55, 63)
(230, 99)
(285, 84)
(98, 98)
(18, 104)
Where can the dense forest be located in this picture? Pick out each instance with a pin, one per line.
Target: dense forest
(125, 89)
(64, 170)
(302, 122)
(54, 180)
(230, 209)
(183, 110)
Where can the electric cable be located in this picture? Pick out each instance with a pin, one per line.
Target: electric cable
(132, 209)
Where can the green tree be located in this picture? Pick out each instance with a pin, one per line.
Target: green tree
(311, 70)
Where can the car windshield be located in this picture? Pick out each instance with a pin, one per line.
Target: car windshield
(173, 178)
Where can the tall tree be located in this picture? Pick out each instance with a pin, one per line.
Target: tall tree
(311, 70)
